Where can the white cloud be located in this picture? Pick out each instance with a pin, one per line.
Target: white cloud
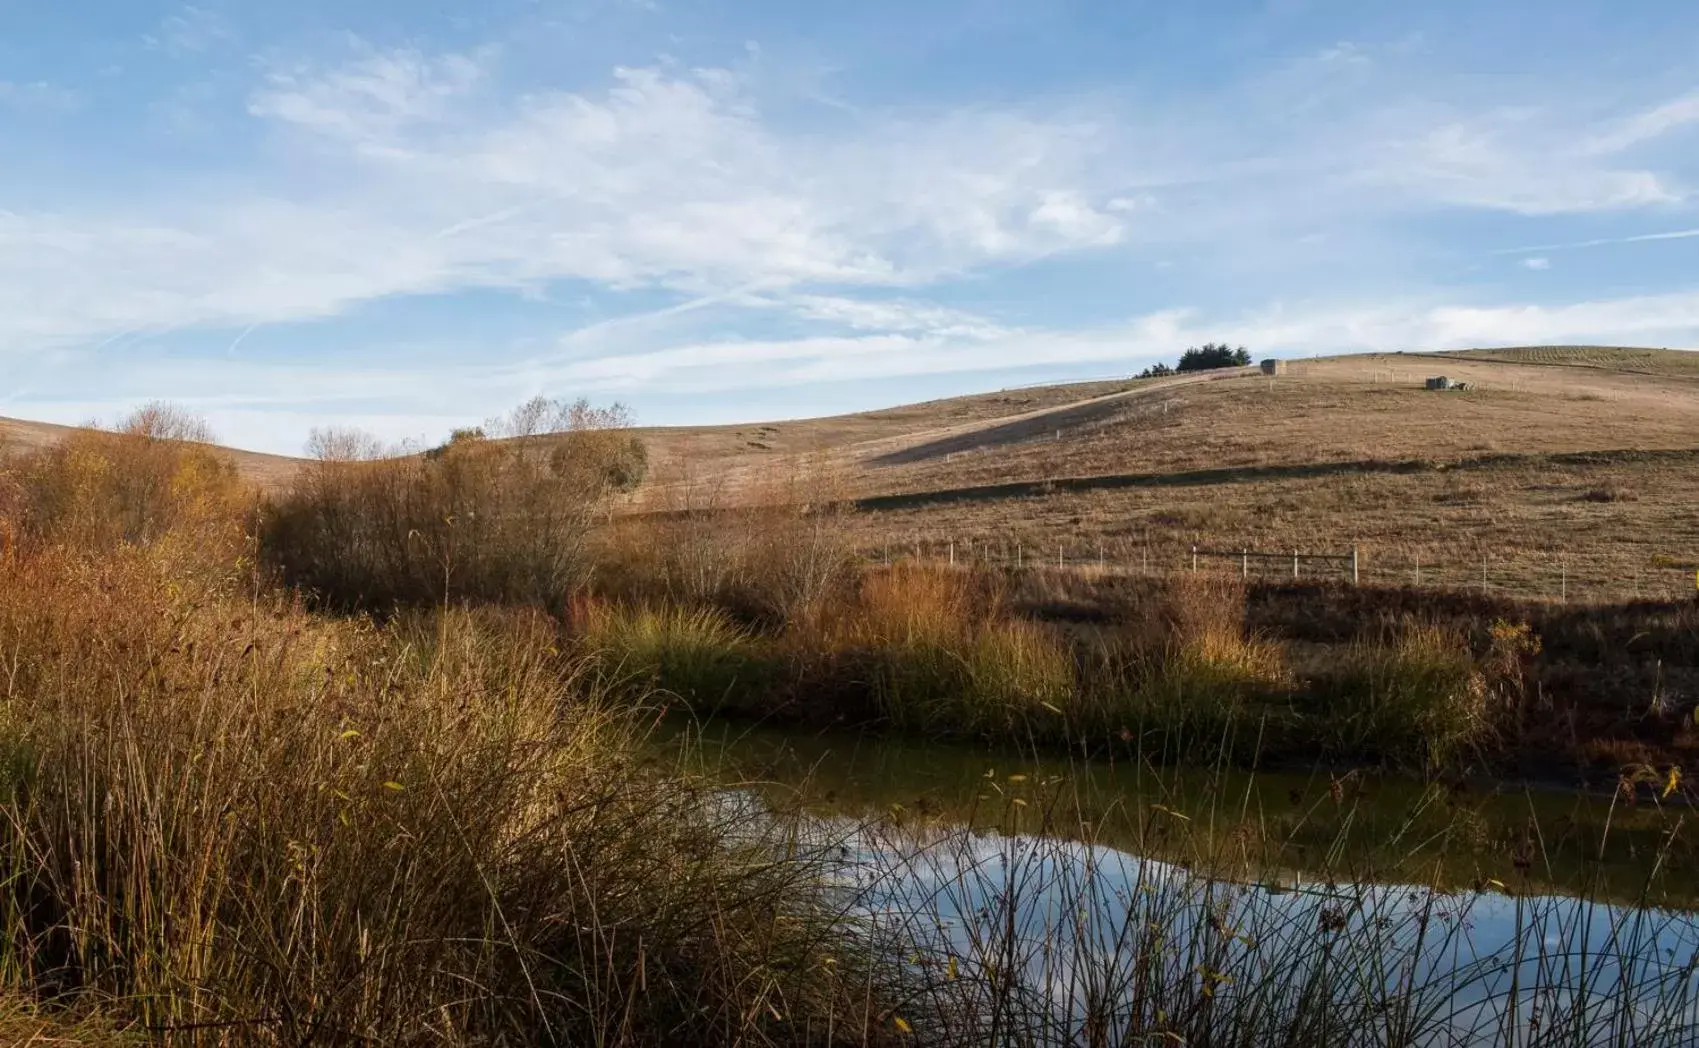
(679, 180)
(425, 179)
(1536, 263)
(891, 316)
(1344, 52)
(370, 101)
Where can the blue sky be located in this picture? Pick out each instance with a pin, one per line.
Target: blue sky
(410, 214)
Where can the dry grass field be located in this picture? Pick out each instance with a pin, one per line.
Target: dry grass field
(1568, 472)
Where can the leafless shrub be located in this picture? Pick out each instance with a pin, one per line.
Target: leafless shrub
(500, 513)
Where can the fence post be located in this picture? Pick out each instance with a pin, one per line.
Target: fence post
(952, 553)
(1294, 564)
(1017, 556)
(1059, 563)
(1354, 575)
(1244, 563)
(1100, 555)
(1194, 558)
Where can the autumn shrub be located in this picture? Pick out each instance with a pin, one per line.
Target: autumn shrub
(498, 514)
(153, 481)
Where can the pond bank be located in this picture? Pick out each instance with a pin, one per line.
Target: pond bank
(1454, 834)
(1187, 670)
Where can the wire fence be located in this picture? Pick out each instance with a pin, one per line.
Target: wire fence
(1521, 574)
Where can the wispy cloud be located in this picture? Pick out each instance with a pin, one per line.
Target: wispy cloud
(1344, 52)
(890, 316)
(663, 180)
(190, 31)
(369, 102)
(1536, 263)
(1520, 161)
(38, 96)
(1651, 124)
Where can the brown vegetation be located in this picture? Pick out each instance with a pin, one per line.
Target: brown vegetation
(231, 818)
(502, 517)
(230, 821)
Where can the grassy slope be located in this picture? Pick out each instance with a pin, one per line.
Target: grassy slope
(1340, 451)
(1561, 468)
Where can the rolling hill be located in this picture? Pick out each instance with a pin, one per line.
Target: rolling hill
(1561, 471)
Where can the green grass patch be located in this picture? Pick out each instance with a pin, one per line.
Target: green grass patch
(1420, 701)
(697, 654)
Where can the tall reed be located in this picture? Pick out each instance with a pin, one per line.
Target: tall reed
(227, 821)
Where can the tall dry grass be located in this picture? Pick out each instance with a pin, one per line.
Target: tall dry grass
(235, 822)
(941, 656)
(1420, 700)
(1181, 675)
(665, 652)
(780, 553)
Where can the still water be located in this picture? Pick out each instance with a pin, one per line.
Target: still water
(1049, 901)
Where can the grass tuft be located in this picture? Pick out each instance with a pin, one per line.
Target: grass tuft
(1421, 701)
(696, 654)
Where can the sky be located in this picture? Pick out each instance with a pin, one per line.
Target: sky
(410, 215)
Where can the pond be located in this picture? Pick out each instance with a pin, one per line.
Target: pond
(1048, 901)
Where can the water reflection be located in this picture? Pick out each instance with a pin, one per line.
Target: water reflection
(1051, 903)
(1058, 942)
(1349, 824)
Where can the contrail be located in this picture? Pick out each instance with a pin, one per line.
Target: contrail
(1675, 234)
(246, 332)
(474, 223)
